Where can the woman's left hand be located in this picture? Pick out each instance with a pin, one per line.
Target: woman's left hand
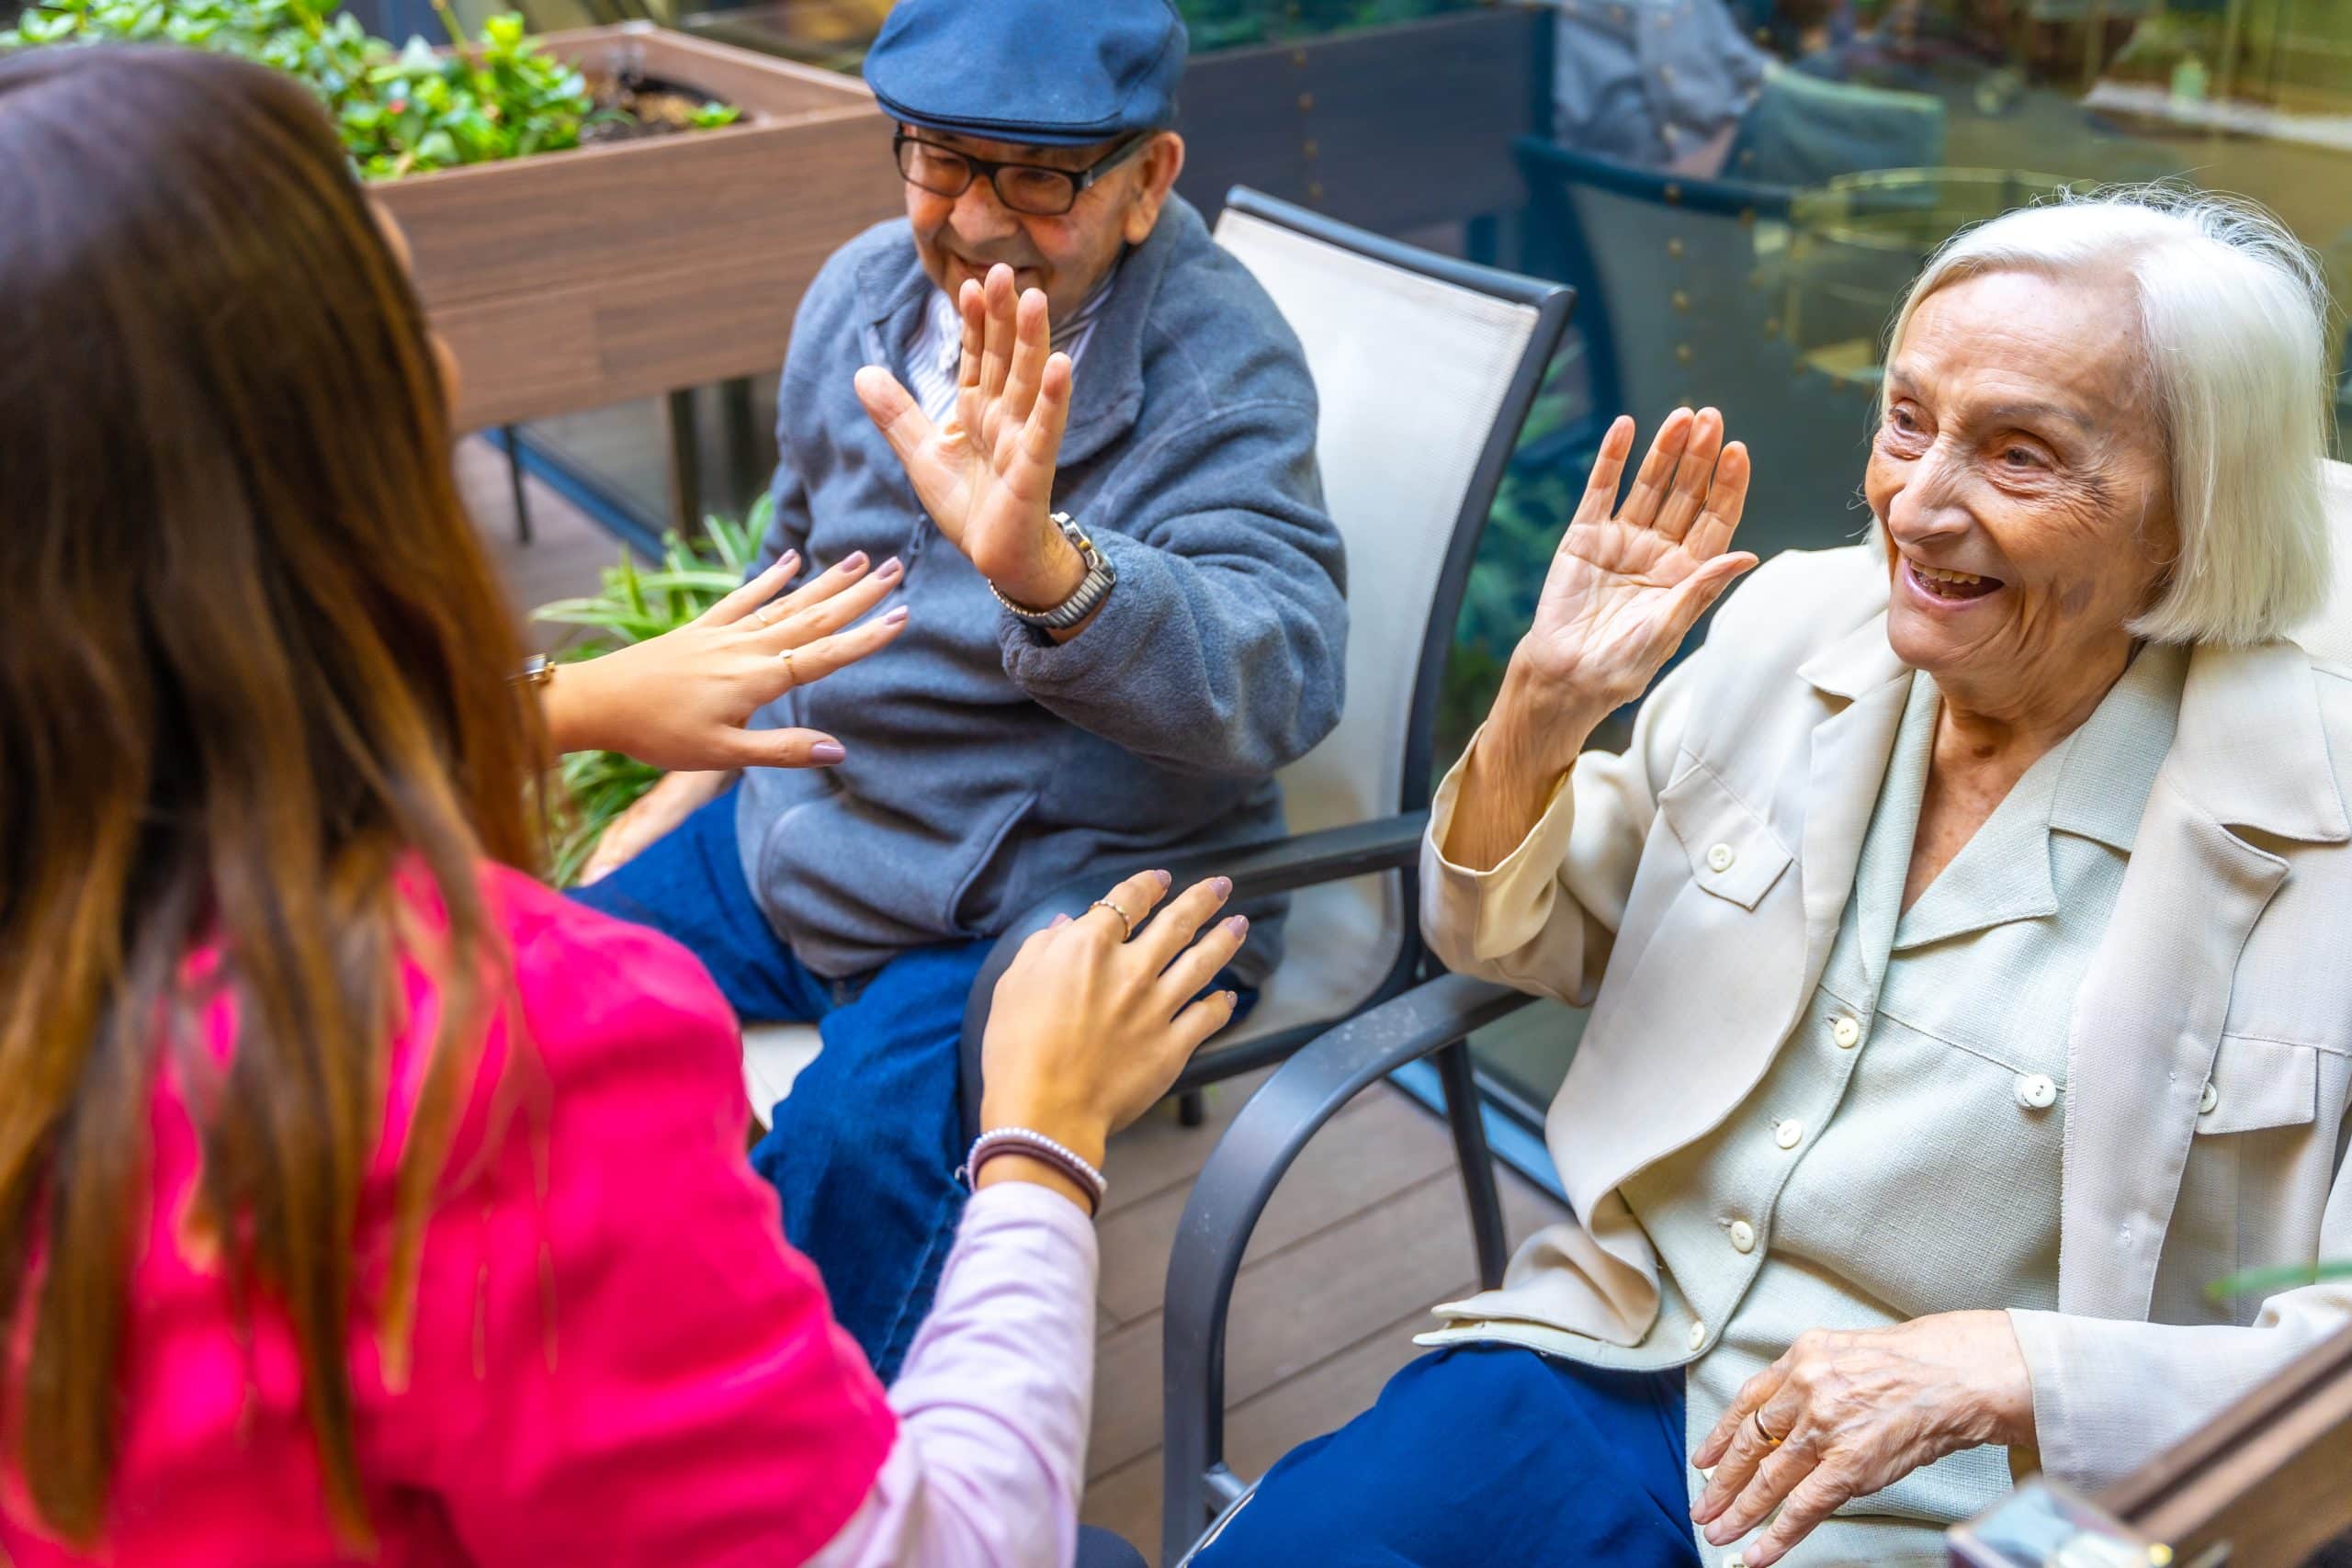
(680, 701)
(1853, 1414)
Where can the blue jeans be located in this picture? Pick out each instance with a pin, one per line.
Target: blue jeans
(1483, 1456)
(864, 1153)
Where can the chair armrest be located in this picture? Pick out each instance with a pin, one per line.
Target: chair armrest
(1270, 866)
(1258, 870)
(1232, 1191)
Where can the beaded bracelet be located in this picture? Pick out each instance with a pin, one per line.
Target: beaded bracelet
(1038, 1146)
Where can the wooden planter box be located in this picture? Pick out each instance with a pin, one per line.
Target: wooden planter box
(573, 280)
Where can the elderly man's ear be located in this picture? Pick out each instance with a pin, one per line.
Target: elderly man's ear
(1156, 171)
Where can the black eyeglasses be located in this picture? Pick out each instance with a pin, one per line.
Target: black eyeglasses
(1033, 189)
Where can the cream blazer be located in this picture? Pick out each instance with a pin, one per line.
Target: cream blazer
(1687, 891)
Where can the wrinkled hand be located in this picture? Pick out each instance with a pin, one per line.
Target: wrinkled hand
(1624, 590)
(680, 700)
(987, 474)
(1856, 1413)
(1087, 1029)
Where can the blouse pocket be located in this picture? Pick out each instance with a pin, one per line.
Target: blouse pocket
(1733, 853)
(2254, 1188)
(2258, 1084)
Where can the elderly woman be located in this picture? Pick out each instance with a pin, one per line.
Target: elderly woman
(1964, 932)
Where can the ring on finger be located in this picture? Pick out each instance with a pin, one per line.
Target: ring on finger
(1756, 1417)
(791, 675)
(1127, 921)
(766, 614)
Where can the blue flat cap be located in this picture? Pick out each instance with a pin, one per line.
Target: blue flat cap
(1054, 72)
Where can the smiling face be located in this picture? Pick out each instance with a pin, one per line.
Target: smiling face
(962, 236)
(2022, 482)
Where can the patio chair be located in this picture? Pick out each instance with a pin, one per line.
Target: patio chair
(1425, 368)
(1685, 301)
(1259, 1148)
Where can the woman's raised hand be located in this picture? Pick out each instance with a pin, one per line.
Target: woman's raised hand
(1089, 1026)
(680, 701)
(1625, 587)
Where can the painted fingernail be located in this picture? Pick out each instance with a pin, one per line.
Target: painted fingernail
(826, 751)
(1238, 925)
(891, 568)
(789, 561)
(1058, 922)
(897, 618)
(1164, 880)
(855, 562)
(1224, 885)
(1232, 999)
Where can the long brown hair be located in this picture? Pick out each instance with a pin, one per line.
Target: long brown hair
(253, 663)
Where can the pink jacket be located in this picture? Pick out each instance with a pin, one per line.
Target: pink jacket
(615, 1357)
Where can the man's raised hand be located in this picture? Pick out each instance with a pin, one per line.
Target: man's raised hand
(986, 474)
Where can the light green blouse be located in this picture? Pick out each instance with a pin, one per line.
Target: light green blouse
(1901, 1158)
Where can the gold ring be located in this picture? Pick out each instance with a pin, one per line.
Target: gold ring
(763, 613)
(790, 674)
(1127, 921)
(1769, 1441)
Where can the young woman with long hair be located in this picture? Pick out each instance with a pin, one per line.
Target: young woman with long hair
(359, 1196)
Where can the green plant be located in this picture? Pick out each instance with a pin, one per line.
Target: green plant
(636, 604)
(2265, 1282)
(503, 98)
(399, 111)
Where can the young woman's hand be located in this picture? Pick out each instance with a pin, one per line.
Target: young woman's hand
(680, 701)
(1088, 1027)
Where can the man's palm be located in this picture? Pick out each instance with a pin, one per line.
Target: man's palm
(986, 474)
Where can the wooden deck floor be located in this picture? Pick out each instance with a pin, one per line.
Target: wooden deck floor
(1368, 1231)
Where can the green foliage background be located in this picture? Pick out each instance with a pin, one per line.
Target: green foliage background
(399, 111)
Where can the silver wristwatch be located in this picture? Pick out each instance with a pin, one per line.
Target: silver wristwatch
(1091, 589)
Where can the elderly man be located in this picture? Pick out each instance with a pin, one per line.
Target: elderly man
(1081, 439)
(1964, 935)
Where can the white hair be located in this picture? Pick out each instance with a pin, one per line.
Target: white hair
(2233, 321)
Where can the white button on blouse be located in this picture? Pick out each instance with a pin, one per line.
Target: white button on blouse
(1720, 857)
(1743, 1235)
(2037, 1091)
(1788, 1134)
(1846, 1031)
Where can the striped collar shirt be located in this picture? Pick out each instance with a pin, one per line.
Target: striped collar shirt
(936, 354)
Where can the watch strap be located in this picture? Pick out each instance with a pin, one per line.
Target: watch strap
(1083, 601)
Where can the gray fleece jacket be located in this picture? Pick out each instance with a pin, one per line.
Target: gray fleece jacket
(987, 765)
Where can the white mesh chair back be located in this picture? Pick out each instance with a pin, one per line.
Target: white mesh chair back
(2328, 634)
(1410, 373)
